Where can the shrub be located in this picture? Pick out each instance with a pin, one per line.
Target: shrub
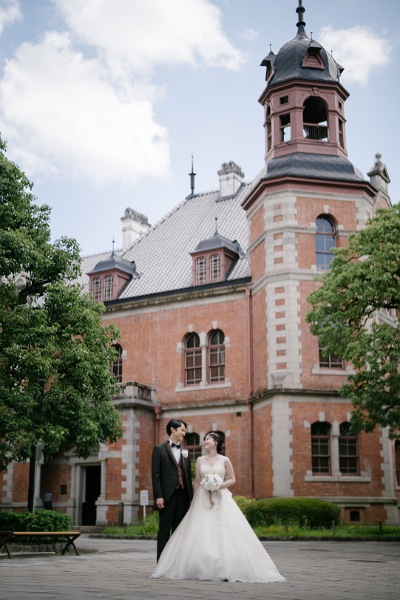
(303, 512)
(40, 520)
(243, 503)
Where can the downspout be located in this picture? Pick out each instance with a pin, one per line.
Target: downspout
(157, 411)
(250, 373)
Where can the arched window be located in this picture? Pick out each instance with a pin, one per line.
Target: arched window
(321, 448)
(315, 119)
(193, 444)
(348, 450)
(116, 365)
(192, 359)
(108, 287)
(325, 241)
(216, 357)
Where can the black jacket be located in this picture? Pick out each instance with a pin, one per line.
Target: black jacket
(164, 470)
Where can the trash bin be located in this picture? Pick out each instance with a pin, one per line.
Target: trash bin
(48, 501)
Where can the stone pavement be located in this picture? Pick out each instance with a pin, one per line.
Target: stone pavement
(120, 569)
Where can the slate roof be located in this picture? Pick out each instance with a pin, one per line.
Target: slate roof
(287, 63)
(162, 255)
(314, 166)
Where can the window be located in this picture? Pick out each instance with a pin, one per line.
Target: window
(201, 270)
(348, 450)
(215, 268)
(108, 287)
(320, 448)
(284, 99)
(325, 241)
(116, 365)
(286, 133)
(96, 289)
(329, 361)
(193, 444)
(216, 357)
(341, 138)
(192, 360)
(315, 123)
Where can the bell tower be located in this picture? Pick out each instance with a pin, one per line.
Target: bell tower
(304, 99)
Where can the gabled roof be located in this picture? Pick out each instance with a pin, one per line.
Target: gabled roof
(162, 256)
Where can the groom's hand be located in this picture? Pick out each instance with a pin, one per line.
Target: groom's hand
(160, 503)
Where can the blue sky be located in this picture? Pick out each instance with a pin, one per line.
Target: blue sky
(103, 102)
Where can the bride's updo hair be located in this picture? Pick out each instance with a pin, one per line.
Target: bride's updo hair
(217, 438)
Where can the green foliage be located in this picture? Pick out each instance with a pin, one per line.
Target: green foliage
(147, 527)
(243, 503)
(355, 315)
(40, 520)
(310, 512)
(55, 379)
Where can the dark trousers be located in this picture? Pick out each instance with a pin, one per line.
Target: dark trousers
(170, 517)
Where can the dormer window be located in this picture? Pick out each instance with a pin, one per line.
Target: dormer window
(108, 287)
(109, 277)
(215, 268)
(96, 289)
(213, 259)
(201, 270)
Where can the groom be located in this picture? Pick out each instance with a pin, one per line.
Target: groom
(172, 481)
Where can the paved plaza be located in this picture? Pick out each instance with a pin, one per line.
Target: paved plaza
(120, 569)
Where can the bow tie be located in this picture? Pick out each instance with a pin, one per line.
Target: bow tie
(175, 445)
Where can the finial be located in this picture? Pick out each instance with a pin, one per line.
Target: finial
(192, 176)
(301, 23)
(216, 225)
(113, 242)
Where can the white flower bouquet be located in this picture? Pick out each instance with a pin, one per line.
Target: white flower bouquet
(211, 483)
(185, 453)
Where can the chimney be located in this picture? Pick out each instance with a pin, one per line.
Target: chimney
(230, 179)
(134, 226)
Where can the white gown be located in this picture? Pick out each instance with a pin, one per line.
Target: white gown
(215, 543)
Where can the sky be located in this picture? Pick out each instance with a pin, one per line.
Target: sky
(103, 103)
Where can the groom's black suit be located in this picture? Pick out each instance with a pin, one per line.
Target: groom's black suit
(165, 476)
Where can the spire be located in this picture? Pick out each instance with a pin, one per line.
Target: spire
(192, 176)
(301, 23)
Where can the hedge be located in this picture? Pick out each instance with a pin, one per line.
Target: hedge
(40, 520)
(303, 512)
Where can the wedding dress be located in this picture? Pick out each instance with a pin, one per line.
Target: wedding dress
(215, 541)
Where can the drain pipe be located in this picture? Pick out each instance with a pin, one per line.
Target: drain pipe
(250, 374)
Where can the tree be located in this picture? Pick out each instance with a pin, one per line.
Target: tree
(355, 315)
(55, 380)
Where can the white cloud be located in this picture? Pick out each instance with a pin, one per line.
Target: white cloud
(81, 102)
(249, 34)
(358, 49)
(148, 33)
(9, 12)
(70, 115)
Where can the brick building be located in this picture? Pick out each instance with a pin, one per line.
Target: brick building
(211, 305)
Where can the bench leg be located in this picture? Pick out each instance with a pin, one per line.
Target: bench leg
(3, 544)
(70, 543)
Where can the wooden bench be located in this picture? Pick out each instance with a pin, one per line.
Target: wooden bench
(8, 537)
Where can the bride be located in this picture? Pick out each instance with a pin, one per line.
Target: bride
(214, 540)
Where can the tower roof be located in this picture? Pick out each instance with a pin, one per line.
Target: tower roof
(297, 59)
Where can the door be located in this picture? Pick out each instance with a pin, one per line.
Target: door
(92, 492)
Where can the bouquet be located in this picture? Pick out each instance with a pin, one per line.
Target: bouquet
(212, 483)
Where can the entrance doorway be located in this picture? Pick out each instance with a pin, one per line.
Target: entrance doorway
(92, 492)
